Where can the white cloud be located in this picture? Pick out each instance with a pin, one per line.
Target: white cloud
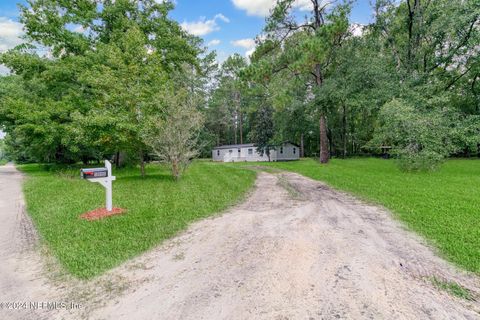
(254, 7)
(4, 70)
(200, 28)
(222, 17)
(203, 27)
(244, 43)
(356, 29)
(248, 44)
(261, 8)
(221, 56)
(10, 33)
(304, 5)
(79, 29)
(250, 52)
(213, 43)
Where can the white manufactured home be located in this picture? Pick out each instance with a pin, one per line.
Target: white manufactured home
(248, 153)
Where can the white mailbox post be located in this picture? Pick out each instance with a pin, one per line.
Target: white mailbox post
(102, 176)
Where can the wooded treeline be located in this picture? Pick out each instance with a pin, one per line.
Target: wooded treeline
(121, 78)
(409, 81)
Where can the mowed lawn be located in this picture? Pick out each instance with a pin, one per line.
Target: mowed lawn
(443, 206)
(158, 208)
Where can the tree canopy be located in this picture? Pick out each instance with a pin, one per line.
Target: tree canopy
(94, 77)
(104, 69)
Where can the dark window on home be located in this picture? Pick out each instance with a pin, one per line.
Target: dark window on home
(238, 150)
(250, 151)
(281, 149)
(218, 152)
(230, 151)
(294, 150)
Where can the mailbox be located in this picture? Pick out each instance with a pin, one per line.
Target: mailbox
(94, 173)
(102, 176)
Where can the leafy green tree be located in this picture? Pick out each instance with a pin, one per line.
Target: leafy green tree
(421, 138)
(92, 75)
(226, 115)
(307, 49)
(262, 132)
(433, 47)
(172, 133)
(198, 82)
(88, 97)
(36, 123)
(355, 93)
(124, 78)
(3, 153)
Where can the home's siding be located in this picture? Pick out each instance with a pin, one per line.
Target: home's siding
(219, 154)
(290, 152)
(243, 156)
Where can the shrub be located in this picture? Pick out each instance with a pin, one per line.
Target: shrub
(421, 139)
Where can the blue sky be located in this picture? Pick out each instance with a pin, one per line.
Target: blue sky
(228, 26)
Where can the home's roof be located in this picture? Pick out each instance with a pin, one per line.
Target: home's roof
(234, 146)
(296, 145)
(247, 145)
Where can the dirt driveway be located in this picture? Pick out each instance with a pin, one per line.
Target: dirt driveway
(294, 249)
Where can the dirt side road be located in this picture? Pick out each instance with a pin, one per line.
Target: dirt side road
(294, 249)
(21, 266)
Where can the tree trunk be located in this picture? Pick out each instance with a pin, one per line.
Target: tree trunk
(117, 160)
(344, 132)
(175, 170)
(235, 125)
(121, 159)
(241, 127)
(302, 147)
(240, 117)
(324, 156)
(142, 163)
(324, 153)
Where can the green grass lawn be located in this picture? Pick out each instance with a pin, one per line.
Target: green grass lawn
(158, 208)
(443, 206)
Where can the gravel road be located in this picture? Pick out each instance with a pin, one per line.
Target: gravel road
(295, 249)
